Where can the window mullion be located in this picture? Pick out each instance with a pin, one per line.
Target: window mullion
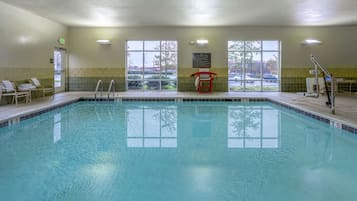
(261, 66)
(160, 87)
(143, 67)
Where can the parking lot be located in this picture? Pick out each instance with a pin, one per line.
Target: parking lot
(253, 85)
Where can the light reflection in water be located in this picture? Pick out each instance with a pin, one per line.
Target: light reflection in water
(202, 178)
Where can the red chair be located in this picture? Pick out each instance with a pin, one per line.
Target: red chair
(204, 81)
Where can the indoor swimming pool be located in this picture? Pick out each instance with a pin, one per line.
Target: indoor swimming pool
(176, 151)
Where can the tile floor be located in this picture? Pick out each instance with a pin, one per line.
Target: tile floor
(346, 106)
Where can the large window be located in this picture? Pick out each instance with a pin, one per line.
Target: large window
(151, 65)
(254, 65)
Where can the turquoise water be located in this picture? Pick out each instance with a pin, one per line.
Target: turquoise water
(167, 151)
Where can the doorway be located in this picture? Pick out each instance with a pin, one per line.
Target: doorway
(60, 66)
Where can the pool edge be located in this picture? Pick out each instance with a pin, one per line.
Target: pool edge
(340, 124)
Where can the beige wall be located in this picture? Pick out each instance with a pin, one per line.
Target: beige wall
(27, 42)
(338, 52)
(339, 48)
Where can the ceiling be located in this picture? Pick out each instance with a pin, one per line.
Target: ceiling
(110, 13)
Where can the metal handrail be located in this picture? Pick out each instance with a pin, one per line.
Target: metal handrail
(111, 88)
(99, 84)
(331, 96)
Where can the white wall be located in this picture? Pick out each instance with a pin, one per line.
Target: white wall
(339, 48)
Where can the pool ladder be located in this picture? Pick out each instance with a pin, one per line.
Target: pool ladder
(111, 89)
(330, 93)
(99, 84)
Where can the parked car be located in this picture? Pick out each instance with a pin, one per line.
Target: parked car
(237, 77)
(270, 78)
(247, 78)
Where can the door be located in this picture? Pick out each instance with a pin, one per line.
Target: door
(60, 66)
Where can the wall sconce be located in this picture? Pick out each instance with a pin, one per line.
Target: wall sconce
(200, 42)
(311, 42)
(104, 42)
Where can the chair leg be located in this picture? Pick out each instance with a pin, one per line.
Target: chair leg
(30, 96)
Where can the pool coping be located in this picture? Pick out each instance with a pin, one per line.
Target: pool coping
(340, 124)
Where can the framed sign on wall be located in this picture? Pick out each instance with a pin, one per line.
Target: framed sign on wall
(201, 60)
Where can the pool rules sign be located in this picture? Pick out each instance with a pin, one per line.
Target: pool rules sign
(201, 60)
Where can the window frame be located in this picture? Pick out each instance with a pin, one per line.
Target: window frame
(243, 52)
(142, 78)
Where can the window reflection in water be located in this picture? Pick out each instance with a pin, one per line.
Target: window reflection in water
(152, 127)
(57, 127)
(253, 127)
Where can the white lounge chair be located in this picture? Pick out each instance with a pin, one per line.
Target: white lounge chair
(26, 87)
(39, 87)
(8, 88)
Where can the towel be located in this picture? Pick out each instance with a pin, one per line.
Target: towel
(8, 86)
(36, 82)
(197, 80)
(26, 87)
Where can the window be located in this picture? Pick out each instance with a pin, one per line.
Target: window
(254, 65)
(151, 65)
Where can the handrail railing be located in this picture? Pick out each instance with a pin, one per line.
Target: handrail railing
(111, 88)
(99, 84)
(330, 96)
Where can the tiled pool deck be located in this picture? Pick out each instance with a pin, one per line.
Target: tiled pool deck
(345, 117)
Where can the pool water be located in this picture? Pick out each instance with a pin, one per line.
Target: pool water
(167, 151)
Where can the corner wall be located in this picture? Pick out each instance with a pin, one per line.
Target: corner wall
(27, 44)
